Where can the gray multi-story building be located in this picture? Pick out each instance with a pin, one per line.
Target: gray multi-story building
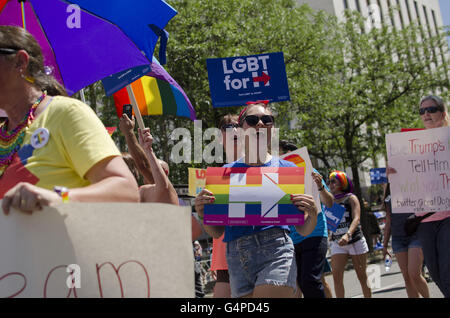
(425, 12)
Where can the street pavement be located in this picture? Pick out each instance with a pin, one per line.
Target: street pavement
(391, 284)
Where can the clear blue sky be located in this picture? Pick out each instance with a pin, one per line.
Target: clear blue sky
(445, 12)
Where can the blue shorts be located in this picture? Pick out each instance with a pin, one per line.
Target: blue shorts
(403, 243)
(264, 258)
(326, 267)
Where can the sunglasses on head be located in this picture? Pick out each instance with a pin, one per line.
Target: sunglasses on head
(253, 120)
(230, 125)
(431, 110)
(7, 50)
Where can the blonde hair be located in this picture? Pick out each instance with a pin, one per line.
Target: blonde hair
(129, 160)
(228, 118)
(440, 104)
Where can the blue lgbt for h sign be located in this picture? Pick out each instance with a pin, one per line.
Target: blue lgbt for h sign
(378, 176)
(334, 216)
(233, 81)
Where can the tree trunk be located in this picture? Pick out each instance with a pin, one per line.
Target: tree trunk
(93, 97)
(365, 224)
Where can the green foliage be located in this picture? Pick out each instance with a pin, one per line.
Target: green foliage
(212, 29)
(372, 85)
(348, 88)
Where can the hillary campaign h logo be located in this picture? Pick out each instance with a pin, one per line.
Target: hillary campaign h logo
(254, 196)
(233, 81)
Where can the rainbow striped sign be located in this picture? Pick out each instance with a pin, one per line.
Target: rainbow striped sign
(254, 196)
(296, 159)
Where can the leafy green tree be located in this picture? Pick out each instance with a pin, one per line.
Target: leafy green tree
(348, 88)
(212, 29)
(371, 87)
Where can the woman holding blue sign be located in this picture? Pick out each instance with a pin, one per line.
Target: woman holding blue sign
(261, 260)
(348, 238)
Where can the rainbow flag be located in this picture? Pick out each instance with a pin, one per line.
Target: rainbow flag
(296, 159)
(254, 196)
(111, 130)
(156, 93)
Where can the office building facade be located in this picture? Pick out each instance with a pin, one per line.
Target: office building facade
(426, 13)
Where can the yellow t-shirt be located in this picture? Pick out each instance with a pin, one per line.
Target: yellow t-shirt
(60, 146)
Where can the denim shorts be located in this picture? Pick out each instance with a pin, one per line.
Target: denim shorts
(403, 243)
(264, 258)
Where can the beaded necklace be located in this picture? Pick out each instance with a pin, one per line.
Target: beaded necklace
(10, 142)
(341, 195)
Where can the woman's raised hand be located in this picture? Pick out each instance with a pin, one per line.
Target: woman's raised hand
(204, 197)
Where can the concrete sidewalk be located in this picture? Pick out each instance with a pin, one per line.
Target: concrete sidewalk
(390, 284)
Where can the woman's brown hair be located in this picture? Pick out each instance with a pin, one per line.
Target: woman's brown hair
(226, 119)
(17, 38)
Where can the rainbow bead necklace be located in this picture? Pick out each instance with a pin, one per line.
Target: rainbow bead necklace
(10, 142)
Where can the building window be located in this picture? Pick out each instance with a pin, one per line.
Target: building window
(400, 14)
(345, 4)
(409, 11)
(391, 14)
(434, 21)
(417, 12)
(429, 33)
(381, 11)
(426, 20)
(357, 6)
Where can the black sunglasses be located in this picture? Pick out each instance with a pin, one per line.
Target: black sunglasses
(4, 50)
(253, 120)
(230, 125)
(431, 110)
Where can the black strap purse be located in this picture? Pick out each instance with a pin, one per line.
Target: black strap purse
(412, 223)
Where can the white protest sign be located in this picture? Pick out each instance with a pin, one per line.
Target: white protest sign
(422, 161)
(300, 157)
(97, 250)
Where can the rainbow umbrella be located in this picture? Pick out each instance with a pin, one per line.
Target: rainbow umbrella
(86, 41)
(156, 93)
